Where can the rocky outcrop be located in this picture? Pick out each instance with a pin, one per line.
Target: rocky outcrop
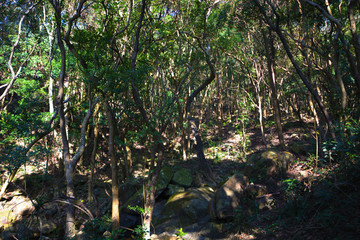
(228, 197)
(183, 177)
(186, 208)
(165, 177)
(268, 164)
(173, 189)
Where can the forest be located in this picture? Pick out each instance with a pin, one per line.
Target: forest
(179, 119)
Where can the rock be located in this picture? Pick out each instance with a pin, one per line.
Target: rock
(173, 189)
(303, 148)
(269, 163)
(228, 196)
(265, 203)
(199, 180)
(186, 208)
(164, 236)
(22, 205)
(130, 195)
(183, 178)
(129, 220)
(23, 232)
(254, 191)
(7, 217)
(127, 190)
(206, 231)
(165, 177)
(51, 210)
(107, 234)
(49, 227)
(14, 210)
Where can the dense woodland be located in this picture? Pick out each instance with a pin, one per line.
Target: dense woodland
(101, 97)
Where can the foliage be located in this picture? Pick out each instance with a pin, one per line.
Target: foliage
(95, 229)
(145, 70)
(180, 234)
(293, 187)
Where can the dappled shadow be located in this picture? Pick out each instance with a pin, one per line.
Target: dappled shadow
(314, 208)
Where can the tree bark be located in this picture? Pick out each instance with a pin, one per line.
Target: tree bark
(355, 40)
(297, 68)
(199, 145)
(115, 214)
(270, 55)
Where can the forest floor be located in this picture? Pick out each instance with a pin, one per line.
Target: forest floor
(317, 198)
(314, 200)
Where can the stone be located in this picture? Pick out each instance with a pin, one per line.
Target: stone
(130, 195)
(49, 227)
(165, 177)
(127, 190)
(173, 189)
(254, 191)
(265, 203)
(164, 236)
(228, 196)
(269, 163)
(22, 206)
(187, 208)
(183, 178)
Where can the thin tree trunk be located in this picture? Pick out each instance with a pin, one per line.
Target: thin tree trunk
(70, 218)
(297, 68)
(128, 158)
(355, 40)
(92, 164)
(220, 103)
(199, 145)
(115, 214)
(149, 194)
(270, 55)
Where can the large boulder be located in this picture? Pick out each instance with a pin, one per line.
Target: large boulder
(183, 178)
(130, 195)
(268, 164)
(131, 192)
(173, 189)
(165, 177)
(186, 208)
(15, 210)
(228, 197)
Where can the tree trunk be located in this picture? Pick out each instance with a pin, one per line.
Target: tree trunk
(297, 68)
(355, 41)
(92, 164)
(220, 103)
(128, 158)
(270, 55)
(199, 145)
(115, 214)
(149, 194)
(70, 218)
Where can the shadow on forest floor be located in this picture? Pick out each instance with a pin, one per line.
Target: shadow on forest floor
(309, 202)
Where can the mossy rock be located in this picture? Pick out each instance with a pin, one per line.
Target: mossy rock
(228, 196)
(270, 163)
(173, 189)
(165, 177)
(187, 208)
(183, 178)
